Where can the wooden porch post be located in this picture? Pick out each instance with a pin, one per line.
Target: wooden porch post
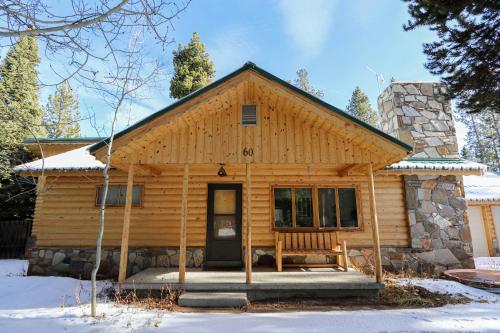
(122, 275)
(374, 222)
(487, 230)
(183, 234)
(248, 247)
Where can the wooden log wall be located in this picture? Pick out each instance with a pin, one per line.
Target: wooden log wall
(66, 214)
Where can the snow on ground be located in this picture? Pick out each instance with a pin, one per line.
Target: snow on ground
(13, 267)
(453, 288)
(49, 304)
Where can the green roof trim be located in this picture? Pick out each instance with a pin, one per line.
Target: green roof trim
(250, 66)
(63, 140)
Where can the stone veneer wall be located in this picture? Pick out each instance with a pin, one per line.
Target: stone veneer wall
(79, 262)
(419, 114)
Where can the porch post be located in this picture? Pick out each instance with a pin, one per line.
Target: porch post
(248, 247)
(374, 223)
(183, 234)
(122, 275)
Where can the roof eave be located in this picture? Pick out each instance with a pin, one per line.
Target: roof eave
(251, 66)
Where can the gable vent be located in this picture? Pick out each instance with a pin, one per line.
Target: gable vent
(249, 115)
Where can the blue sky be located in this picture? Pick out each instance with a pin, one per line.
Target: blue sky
(334, 40)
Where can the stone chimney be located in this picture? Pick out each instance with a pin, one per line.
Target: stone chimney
(419, 114)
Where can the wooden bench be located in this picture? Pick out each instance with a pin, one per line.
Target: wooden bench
(293, 243)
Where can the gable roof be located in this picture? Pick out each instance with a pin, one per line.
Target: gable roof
(249, 66)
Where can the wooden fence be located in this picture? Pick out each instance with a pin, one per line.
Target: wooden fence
(13, 237)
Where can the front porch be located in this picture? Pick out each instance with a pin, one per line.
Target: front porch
(266, 282)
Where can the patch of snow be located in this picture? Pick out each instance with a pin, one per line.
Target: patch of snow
(487, 263)
(31, 292)
(76, 159)
(452, 288)
(456, 165)
(13, 267)
(482, 188)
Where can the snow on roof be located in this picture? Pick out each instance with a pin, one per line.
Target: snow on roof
(76, 159)
(482, 188)
(437, 164)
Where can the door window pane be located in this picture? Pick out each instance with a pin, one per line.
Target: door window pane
(224, 227)
(283, 208)
(347, 205)
(303, 207)
(327, 207)
(225, 202)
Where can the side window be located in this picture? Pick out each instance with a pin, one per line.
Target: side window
(117, 195)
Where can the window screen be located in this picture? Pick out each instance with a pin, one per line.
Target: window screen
(249, 115)
(117, 195)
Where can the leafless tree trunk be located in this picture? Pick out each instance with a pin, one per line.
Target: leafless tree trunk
(129, 75)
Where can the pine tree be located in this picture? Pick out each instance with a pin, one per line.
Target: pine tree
(61, 113)
(193, 68)
(465, 53)
(359, 107)
(302, 82)
(482, 142)
(20, 113)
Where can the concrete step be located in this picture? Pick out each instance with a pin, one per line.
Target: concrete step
(212, 299)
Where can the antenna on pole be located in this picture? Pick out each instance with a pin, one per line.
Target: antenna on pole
(379, 77)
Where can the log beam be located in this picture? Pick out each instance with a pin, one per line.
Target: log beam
(374, 224)
(248, 247)
(122, 275)
(183, 235)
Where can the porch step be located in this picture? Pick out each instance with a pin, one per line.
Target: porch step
(213, 299)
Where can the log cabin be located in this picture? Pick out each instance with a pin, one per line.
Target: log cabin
(252, 171)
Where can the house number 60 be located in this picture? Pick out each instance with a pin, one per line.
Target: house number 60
(248, 151)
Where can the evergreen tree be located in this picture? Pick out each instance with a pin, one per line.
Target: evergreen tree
(359, 107)
(193, 68)
(465, 53)
(61, 113)
(302, 82)
(483, 137)
(20, 113)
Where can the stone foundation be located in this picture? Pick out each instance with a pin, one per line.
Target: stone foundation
(79, 262)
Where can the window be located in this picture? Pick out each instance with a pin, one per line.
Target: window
(315, 207)
(283, 208)
(117, 195)
(249, 115)
(303, 207)
(327, 201)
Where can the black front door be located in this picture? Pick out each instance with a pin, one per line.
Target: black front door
(224, 226)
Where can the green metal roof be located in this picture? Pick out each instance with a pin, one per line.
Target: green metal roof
(63, 140)
(250, 66)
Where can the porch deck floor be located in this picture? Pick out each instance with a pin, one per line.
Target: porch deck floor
(264, 280)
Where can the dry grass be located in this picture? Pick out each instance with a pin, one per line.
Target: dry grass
(165, 299)
(398, 295)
